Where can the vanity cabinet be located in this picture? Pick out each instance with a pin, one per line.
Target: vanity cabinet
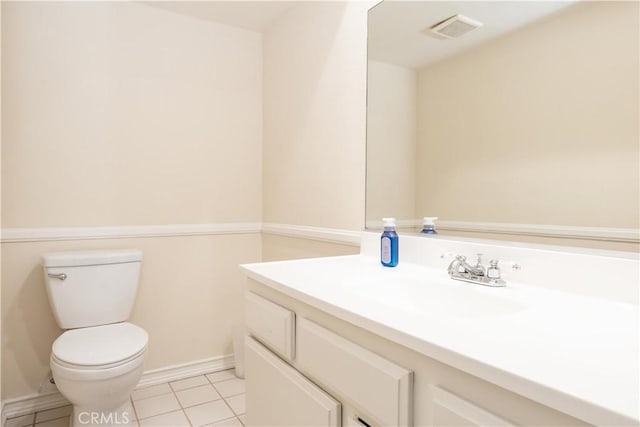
(327, 373)
(343, 375)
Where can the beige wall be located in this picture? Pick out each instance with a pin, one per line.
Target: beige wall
(538, 127)
(155, 118)
(314, 116)
(277, 248)
(391, 141)
(123, 114)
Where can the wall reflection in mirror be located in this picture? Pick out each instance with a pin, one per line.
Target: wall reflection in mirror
(528, 124)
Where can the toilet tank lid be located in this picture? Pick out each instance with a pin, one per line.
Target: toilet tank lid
(79, 258)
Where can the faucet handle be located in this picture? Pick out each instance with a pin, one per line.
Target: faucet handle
(493, 272)
(481, 270)
(511, 264)
(447, 256)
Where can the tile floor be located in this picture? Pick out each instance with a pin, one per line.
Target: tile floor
(215, 399)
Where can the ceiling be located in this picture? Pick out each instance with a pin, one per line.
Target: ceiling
(396, 27)
(250, 15)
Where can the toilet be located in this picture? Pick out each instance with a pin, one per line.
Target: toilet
(97, 361)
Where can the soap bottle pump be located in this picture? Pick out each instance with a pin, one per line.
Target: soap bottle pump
(429, 225)
(389, 243)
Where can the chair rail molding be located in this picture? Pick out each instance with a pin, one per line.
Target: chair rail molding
(41, 234)
(630, 235)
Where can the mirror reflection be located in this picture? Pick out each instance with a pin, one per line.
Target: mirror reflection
(526, 124)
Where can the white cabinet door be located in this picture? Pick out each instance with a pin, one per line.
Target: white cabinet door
(447, 409)
(278, 395)
(380, 389)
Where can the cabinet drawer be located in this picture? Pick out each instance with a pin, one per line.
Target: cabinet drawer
(271, 324)
(377, 387)
(278, 395)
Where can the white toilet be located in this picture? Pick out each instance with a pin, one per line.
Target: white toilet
(97, 362)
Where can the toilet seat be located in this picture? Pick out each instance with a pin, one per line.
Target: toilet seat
(70, 372)
(97, 367)
(100, 347)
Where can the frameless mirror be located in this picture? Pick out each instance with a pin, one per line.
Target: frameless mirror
(527, 123)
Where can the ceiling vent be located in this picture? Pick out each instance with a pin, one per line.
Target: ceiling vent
(454, 27)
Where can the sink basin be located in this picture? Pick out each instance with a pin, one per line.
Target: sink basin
(433, 297)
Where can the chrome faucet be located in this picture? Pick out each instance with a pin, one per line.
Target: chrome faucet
(460, 269)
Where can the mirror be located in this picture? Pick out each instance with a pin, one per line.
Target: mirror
(527, 125)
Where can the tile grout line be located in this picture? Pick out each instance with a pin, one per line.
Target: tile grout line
(158, 414)
(52, 419)
(224, 398)
(35, 415)
(135, 412)
(227, 419)
(151, 397)
(172, 391)
(230, 408)
(182, 407)
(210, 383)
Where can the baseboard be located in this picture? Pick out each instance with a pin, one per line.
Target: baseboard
(29, 404)
(185, 370)
(24, 405)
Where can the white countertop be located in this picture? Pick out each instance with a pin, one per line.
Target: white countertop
(575, 353)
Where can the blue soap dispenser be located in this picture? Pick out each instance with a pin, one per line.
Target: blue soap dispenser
(389, 243)
(429, 225)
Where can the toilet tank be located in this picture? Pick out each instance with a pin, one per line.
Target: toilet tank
(91, 288)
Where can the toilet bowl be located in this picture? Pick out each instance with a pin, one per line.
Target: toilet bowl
(98, 361)
(96, 368)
